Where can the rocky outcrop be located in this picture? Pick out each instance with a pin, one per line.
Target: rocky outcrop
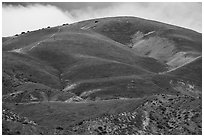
(14, 124)
(165, 114)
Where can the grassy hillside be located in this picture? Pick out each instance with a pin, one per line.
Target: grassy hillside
(95, 51)
(192, 71)
(160, 41)
(117, 71)
(30, 69)
(54, 114)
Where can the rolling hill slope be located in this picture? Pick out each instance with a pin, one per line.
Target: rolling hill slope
(106, 66)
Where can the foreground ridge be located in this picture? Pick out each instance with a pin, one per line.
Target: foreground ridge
(165, 114)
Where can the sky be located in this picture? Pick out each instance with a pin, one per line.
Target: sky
(26, 16)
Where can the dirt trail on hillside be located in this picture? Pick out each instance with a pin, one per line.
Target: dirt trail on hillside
(180, 66)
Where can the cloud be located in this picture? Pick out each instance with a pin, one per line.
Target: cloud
(187, 15)
(19, 18)
(35, 16)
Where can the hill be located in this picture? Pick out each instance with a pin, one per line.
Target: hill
(65, 77)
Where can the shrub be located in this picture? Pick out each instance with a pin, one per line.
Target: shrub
(65, 24)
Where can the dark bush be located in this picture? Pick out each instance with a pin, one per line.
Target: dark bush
(59, 128)
(65, 24)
